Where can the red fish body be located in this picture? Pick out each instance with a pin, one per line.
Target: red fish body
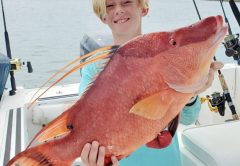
(145, 84)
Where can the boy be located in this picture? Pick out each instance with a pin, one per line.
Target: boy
(124, 18)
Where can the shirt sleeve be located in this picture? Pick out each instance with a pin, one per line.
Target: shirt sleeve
(190, 114)
(86, 78)
(88, 74)
(90, 71)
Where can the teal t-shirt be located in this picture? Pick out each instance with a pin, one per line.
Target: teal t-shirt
(144, 156)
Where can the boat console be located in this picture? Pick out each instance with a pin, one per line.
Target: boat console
(4, 71)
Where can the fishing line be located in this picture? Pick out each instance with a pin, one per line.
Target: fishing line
(197, 10)
(235, 10)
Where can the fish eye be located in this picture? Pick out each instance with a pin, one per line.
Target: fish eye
(173, 42)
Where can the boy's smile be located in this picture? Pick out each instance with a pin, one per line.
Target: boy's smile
(121, 20)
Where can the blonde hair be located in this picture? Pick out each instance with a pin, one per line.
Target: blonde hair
(99, 6)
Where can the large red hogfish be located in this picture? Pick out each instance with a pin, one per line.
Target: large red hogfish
(144, 85)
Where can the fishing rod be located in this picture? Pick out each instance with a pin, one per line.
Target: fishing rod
(226, 19)
(12, 78)
(231, 41)
(235, 10)
(226, 94)
(15, 63)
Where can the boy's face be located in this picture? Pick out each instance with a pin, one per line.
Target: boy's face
(124, 16)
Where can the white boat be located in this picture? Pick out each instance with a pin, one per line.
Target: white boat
(211, 141)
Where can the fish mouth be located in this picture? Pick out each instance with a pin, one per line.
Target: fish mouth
(190, 88)
(221, 30)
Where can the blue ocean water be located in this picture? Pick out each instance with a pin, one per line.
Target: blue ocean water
(48, 33)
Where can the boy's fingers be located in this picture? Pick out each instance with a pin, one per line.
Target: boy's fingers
(101, 156)
(217, 65)
(93, 153)
(85, 153)
(114, 161)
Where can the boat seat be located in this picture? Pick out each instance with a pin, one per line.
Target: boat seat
(203, 142)
(14, 135)
(48, 108)
(90, 42)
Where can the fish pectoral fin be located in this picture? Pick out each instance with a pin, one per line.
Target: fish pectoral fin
(57, 127)
(153, 107)
(161, 141)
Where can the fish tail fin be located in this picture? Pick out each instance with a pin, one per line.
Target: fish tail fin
(37, 156)
(29, 157)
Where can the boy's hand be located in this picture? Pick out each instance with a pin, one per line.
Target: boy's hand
(93, 155)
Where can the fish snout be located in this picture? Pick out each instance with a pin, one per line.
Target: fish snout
(222, 29)
(220, 20)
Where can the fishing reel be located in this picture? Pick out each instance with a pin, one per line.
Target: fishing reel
(16, 64)
(232, 45)
(216, 102)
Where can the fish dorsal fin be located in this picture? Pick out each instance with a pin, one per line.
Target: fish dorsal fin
(153, 107)
(55, 128)
(77, 60)
(100, 57)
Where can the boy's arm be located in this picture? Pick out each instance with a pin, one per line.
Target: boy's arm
(190, 112)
